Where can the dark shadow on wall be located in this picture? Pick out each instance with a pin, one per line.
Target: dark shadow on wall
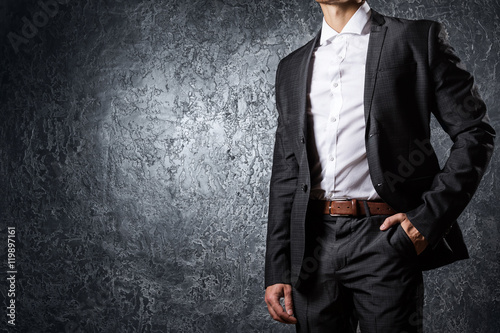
(136, 142)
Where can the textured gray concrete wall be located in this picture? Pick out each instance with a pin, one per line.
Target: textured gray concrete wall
(135, 144)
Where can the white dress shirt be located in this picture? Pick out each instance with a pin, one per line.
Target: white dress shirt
(336, 123)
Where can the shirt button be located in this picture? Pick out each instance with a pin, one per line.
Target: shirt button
(335, 85)
(332, 158)
(333, 119)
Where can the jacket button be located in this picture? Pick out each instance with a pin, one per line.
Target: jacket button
(302, 140)
(304, 187)
(447, 231)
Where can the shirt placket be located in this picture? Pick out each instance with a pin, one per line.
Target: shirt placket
(336, 102)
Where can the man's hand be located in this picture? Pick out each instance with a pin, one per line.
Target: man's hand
(416, 237)
(273, 295)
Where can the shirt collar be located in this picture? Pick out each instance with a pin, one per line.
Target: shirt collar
(356, 24)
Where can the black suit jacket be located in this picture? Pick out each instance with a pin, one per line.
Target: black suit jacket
(411, 72)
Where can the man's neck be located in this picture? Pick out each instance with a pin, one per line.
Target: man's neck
(337, 15)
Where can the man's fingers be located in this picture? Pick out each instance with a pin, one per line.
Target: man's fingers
(274, 307)
(273, 314)
(282, 316)
(273, 295)
(393, 220)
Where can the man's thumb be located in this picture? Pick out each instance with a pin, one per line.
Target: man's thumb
(288, 301)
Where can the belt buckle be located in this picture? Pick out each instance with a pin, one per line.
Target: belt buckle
(354, 204)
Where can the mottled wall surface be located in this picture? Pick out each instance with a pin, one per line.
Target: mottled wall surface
(135, 144)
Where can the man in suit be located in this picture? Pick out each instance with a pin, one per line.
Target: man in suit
(359, 205)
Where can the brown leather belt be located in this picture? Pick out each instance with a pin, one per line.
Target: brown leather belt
(353, 207)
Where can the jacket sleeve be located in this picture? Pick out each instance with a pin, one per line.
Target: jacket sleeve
(282, 191)
(462, 114)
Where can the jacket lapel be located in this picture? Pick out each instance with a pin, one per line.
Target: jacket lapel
(377, 36)
(301, 97)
